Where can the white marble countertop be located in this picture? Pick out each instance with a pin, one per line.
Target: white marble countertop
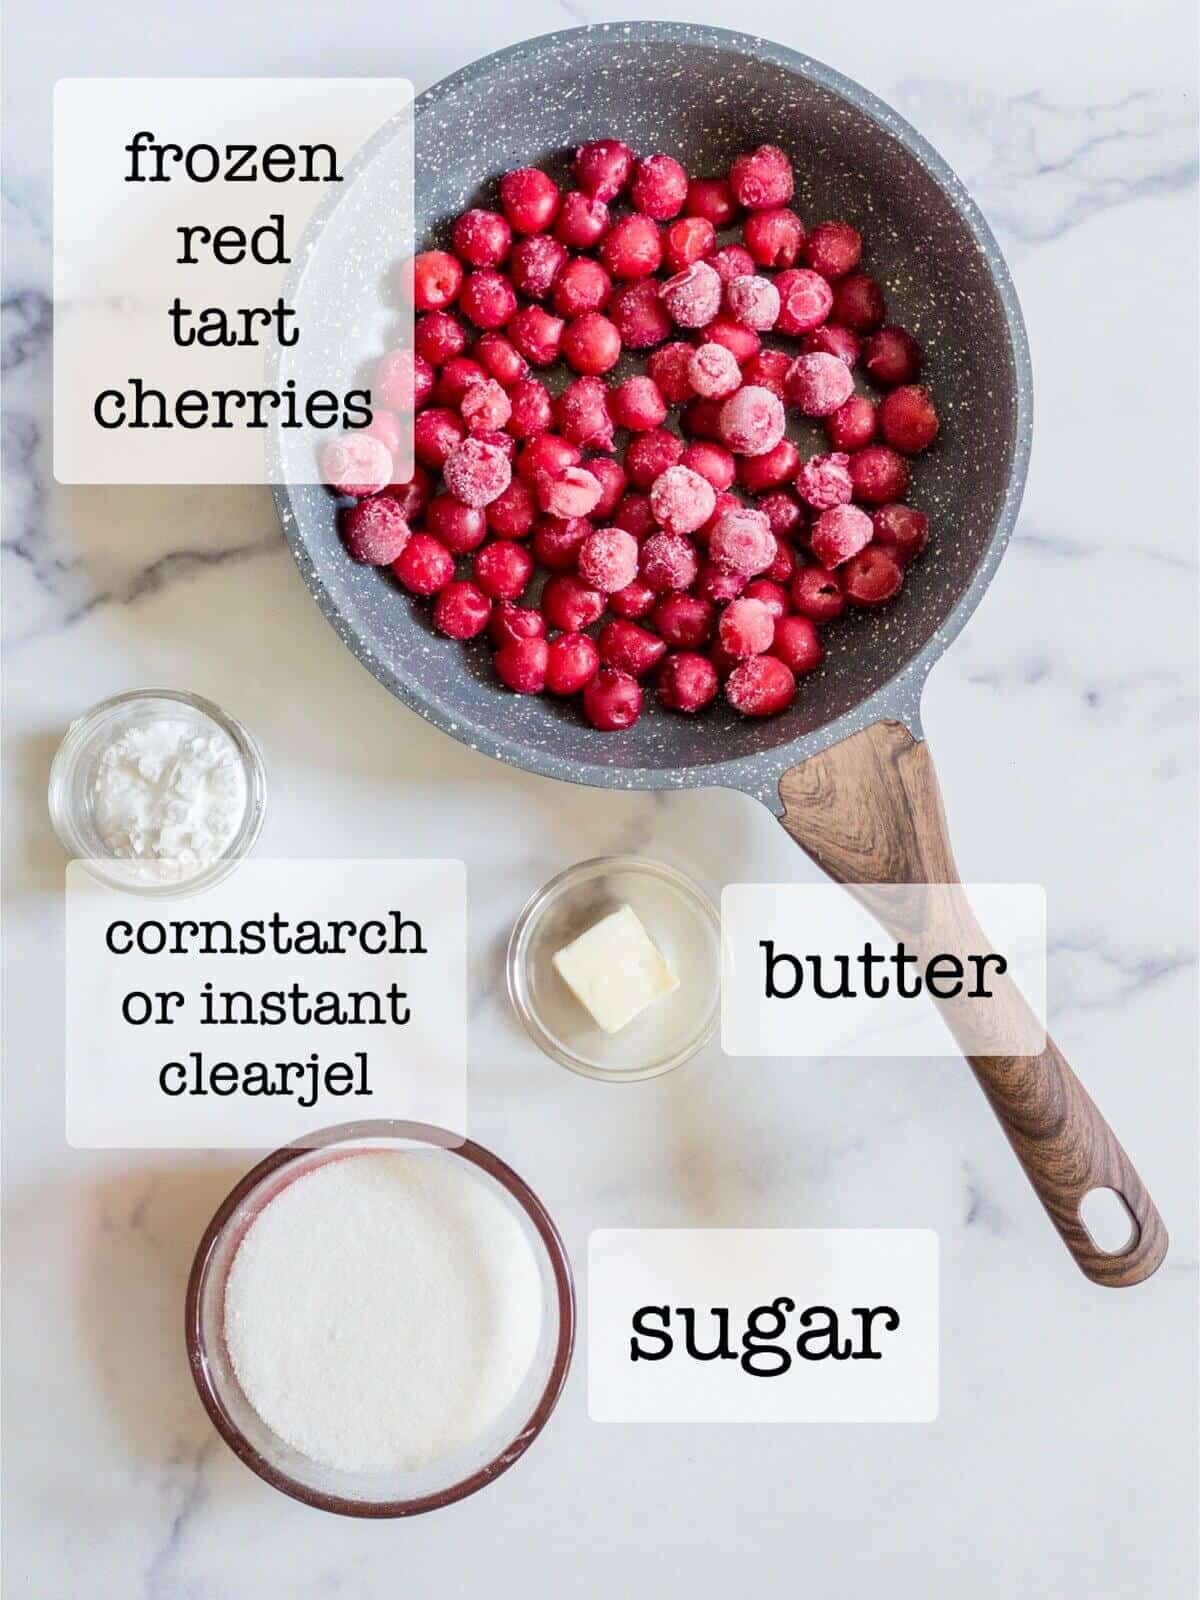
(1063, 1461)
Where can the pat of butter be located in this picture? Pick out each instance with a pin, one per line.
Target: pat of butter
(615, 969)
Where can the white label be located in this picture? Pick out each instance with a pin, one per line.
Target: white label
(179, 208)
(762, 1325)
(808, 970)
(182, 1031)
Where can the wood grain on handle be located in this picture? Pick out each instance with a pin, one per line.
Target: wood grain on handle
(869, 811)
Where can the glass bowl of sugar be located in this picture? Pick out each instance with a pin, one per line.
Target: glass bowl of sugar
(379, 1321)
(158, 791)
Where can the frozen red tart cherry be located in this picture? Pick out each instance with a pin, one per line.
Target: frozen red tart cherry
(476, 473)
(436, 279)
(460, 528)
(573, 492)
(805, 300)
(632, 248)
(900, 530)
(485, 406)
(878, 474)
(608, 559)
(760, 687)
(688, 239)
(816, 593)
(583, 221)
(357, 464)
(650, 454)
(633, 513)
(481, 238)
(833, 249)
(712, 461)
(632, 649)
(718, 583)
(530, 199)
(509, 622)
(591, 344)
(681, 500)
(546, 456)
(413, 495)
(872, 577)
(762, 178)
(774, 238)
(570, 604)
(754, 301)
(610, 475)
(535, 264)
(685, 621)
(773, 595)
(635, 600)
(375, 531)
(687, 682)
(712, 199)
(500, 358)
(797, 644)
(742, 539)
(537, 335)
(892, 356)
(639, 316)
(502, 569)
(818, 384)
(612, 700)
(745, 627)
(603, 167)
(462, 611)
(768, 370)
(742, 342)
(693, 296)
(556, 542)
(907, 419)
(439, 336)
(487, 299)
(582, 285)
(668, 561)
(659, 188)
(571, 662)
(581, 414)
(838, 534)
(775, 466)
(824, 481)
(513, 513)
(752, 421)
(713, 372)
(521, 665)
(853, 424)
(732, 261)
(637, 404)
(532, 412)
(858, 302)
(424, 566)
(833, 340)
(668, 366)
(436, 431)
(455, 378)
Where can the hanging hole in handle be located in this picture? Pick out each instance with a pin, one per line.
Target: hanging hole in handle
(1110, 1224)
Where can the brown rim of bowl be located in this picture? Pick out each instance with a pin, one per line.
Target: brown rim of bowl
(560, 1265)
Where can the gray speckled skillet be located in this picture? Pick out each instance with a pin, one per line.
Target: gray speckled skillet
(845, 767)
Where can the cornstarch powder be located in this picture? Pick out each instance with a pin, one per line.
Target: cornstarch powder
(383, 1310)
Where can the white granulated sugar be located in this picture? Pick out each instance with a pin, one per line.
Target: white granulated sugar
(170, 791)
(383, 1310)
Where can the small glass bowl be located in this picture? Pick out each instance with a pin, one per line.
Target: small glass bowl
(395, 1494)
(72, 774)
(681, 920)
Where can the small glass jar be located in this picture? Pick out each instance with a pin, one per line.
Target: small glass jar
(72, 790)
(680, 919)
(379, 1494)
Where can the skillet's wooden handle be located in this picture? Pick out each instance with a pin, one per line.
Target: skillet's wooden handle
(869, 810)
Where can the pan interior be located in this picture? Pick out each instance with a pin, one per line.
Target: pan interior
(702, 99)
